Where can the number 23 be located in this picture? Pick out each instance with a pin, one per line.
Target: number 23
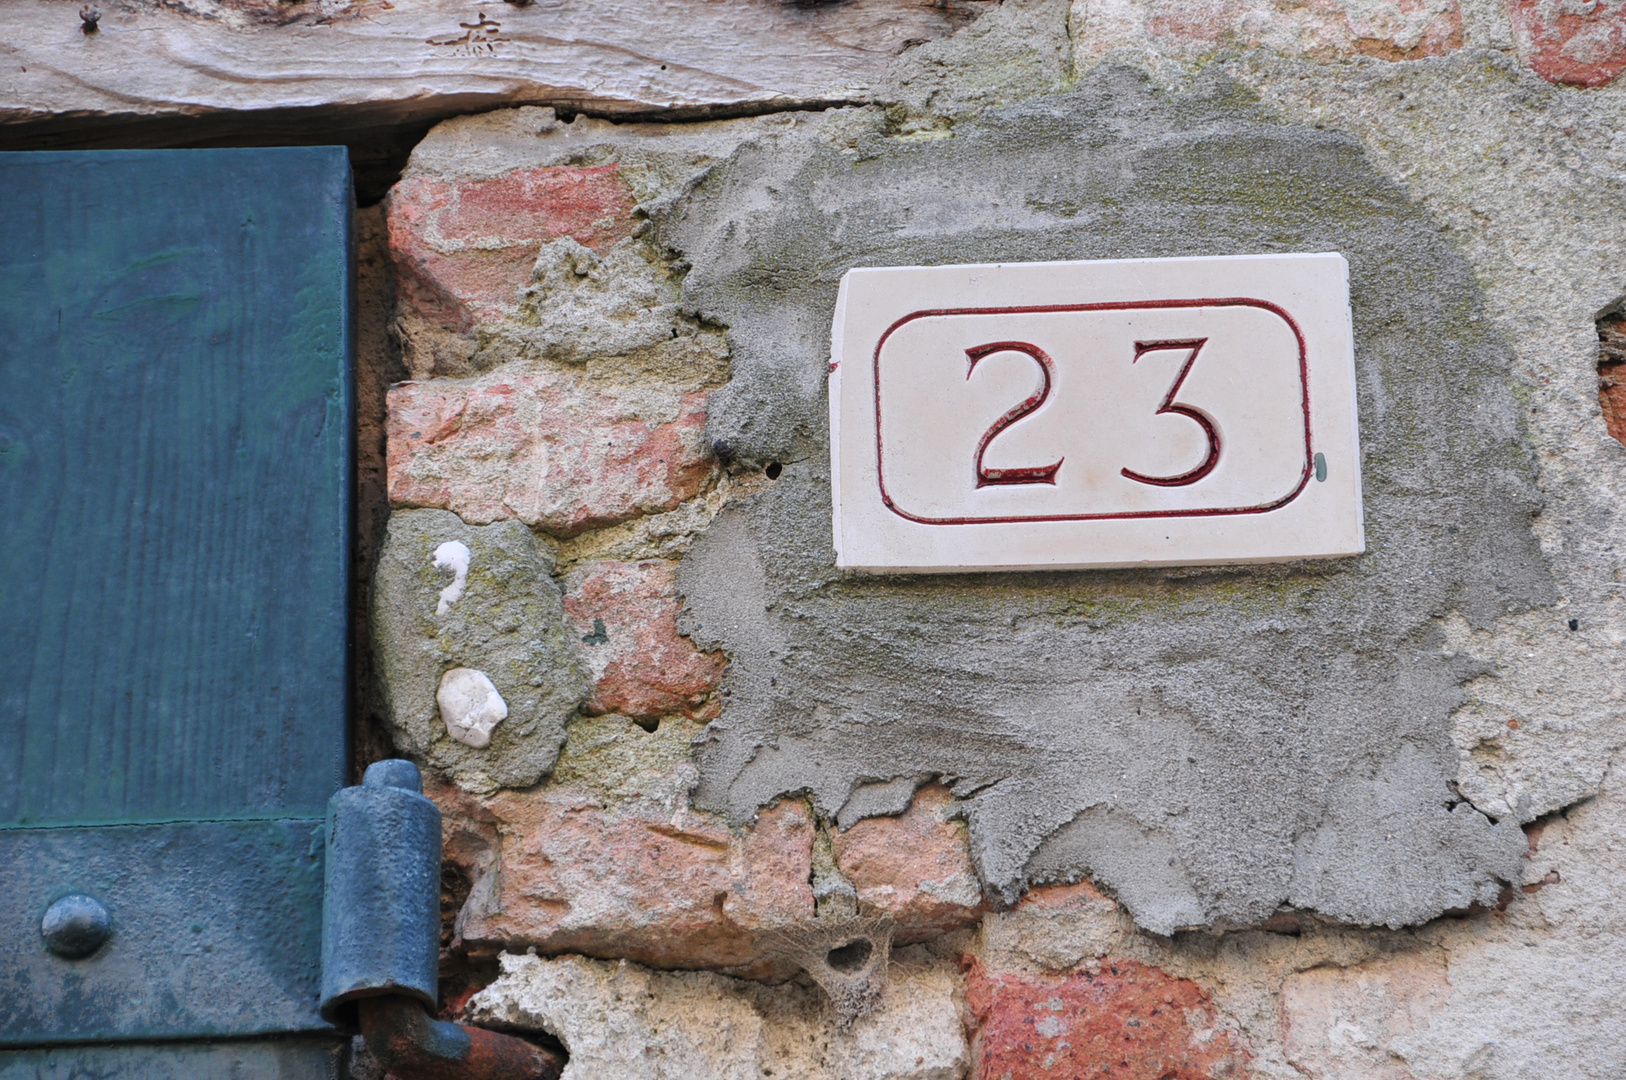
(1046, 474)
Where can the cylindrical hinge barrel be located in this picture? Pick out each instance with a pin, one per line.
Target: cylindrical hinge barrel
(381, 909)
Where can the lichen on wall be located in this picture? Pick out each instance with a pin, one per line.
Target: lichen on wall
(506, 626)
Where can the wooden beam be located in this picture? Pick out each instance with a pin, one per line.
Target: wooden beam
(394, 61)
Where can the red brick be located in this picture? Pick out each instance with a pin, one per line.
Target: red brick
(1612, 373)
(544, 446)
(1078, 896)
(1127, 1022)
(667, 890)
(642, 667)
(462, 248)
(915, 868)
(1572, 42)
(771, 869)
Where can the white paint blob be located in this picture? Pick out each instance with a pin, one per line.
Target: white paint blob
(453, 555)
(469, 704)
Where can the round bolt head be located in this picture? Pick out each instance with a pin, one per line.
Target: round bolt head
(76, 926)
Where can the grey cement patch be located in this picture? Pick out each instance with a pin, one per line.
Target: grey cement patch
(1017, 50)
(886, 798)
(1152, 879)
(1265, 736)
(508, 623)
(1529, 181)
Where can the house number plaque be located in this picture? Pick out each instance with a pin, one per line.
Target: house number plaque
(1094, 414)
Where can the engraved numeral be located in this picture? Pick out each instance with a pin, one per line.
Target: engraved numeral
(1033, 474)
(1193, 346)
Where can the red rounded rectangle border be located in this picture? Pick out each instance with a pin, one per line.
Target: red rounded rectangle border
(1304, 384)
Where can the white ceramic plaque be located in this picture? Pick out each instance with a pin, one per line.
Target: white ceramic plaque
(1088, 414)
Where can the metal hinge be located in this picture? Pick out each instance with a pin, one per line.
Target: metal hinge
(381, 938)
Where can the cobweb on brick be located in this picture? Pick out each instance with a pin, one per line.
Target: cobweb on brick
(847, 958)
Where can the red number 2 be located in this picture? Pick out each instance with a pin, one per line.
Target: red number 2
(1208, 463)
(1033, 474)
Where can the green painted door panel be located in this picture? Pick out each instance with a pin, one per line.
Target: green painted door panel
(267, 1059)
(175, 462)
(217, 930)
(174, 469)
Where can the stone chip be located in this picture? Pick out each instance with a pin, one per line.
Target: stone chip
(506, 632)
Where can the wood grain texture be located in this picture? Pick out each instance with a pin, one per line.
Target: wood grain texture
(175, 478)
(401, 59)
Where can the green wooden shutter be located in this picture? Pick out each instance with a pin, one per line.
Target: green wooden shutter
(175, 462)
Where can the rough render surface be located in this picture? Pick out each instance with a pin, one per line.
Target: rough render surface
(1196, 31)
(620, 1020)
(1519, 185)
(1539, 729)
(1209, 745)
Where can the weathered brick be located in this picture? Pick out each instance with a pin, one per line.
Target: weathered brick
(1612, 372)
(1055, 927)
(462, 248)
(1354, 1023)
(1575, 42)
(626, 615)
(1072, 897)
(1128, 1021)
(546, 445)
(671, 890)
(915, 867)
(771, 868)
(1389, 29)
(468, 839)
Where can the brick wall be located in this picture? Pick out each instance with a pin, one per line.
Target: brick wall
(559, 381)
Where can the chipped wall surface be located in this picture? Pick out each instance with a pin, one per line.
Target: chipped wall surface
(1210, 745)
(747, 815)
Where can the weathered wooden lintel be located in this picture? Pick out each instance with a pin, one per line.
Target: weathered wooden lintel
(371, 73)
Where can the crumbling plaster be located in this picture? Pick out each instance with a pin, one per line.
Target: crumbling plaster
(1211, 745)
(619, 1020)
(1532, 991)
(1526, 992)
(661, 161)
(1512, 187)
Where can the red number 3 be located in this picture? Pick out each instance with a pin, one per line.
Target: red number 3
(1033, 474)
(1207, 464)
